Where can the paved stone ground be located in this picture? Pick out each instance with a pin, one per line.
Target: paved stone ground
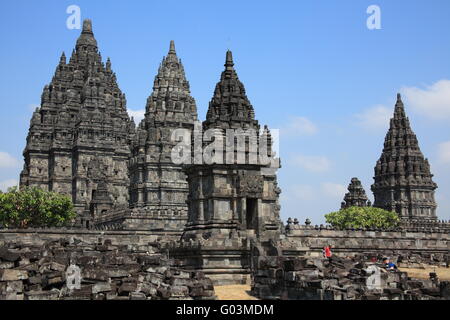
(234, 292)
(443, 273)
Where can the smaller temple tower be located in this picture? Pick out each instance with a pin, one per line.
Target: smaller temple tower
(233, 191)
(403, 179)
(356, 195)
(236, 193)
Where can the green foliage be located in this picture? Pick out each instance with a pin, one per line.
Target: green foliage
(34, 207)
(362, 217)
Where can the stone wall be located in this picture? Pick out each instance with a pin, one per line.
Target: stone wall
(105, 272)
(40, 236)
(143, 219)
(351, 242)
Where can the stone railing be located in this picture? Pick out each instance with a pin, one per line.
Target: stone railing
(409, 226)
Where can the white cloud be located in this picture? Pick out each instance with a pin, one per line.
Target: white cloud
(334, 190)
(313, 163)
(300, 126)
(444, 152)
(138, 115)
(432, 101)
(8, 161)
(4, 185)
(375, 118)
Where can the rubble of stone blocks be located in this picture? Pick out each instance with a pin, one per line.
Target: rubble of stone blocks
(108, 272)
(410, 259)
(337, 278)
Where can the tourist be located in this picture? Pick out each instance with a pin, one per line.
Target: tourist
(327, 251)
(390, 266)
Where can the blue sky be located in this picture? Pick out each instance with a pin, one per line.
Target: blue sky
(311, 68)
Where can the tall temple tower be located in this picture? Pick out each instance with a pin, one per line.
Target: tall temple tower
(159, 186)
(403, 181)
(79, 136)
(227, 196)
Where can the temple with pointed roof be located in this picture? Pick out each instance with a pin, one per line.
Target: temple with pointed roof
(228, 195)
(356, 195)
(233, 197)
(80, 135)
(158, 186)
(403, 179)
(218, 210)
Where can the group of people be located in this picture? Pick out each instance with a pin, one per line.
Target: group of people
(387, 263)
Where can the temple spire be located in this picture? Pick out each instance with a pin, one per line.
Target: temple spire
(172, 47)
(399, 112)
(63, 59)
(87, 27)
(229, 64)
(230, 105)
(87, 36)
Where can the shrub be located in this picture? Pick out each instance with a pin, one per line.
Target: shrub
(362, 217)
(34, 207)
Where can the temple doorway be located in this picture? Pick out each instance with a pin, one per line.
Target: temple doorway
(251, 215)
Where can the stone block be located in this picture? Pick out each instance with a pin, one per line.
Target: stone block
(137, 296)
(14, 286)
(6, 265)
(148, 289)
(95, 274)
(127, 287)
(179, 291)
(42, 295)
(101, 287)
(8, 255)
(12, 275)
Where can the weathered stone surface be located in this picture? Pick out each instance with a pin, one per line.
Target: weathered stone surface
(7, 255)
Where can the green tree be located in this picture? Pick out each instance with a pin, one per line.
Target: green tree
(34, 207)
(362, 217)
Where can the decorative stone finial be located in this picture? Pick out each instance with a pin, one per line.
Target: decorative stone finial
(62, 60)
(172, 47)
(87, 26)
(229, 60)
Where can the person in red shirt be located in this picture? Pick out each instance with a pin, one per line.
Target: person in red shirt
(327, 251)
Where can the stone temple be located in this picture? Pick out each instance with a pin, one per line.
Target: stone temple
(403, 181)
(217, 213)
(79, 138)
(356, 196)
(158, 187)
(82, 143)
(234, 200)
(228, 196)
